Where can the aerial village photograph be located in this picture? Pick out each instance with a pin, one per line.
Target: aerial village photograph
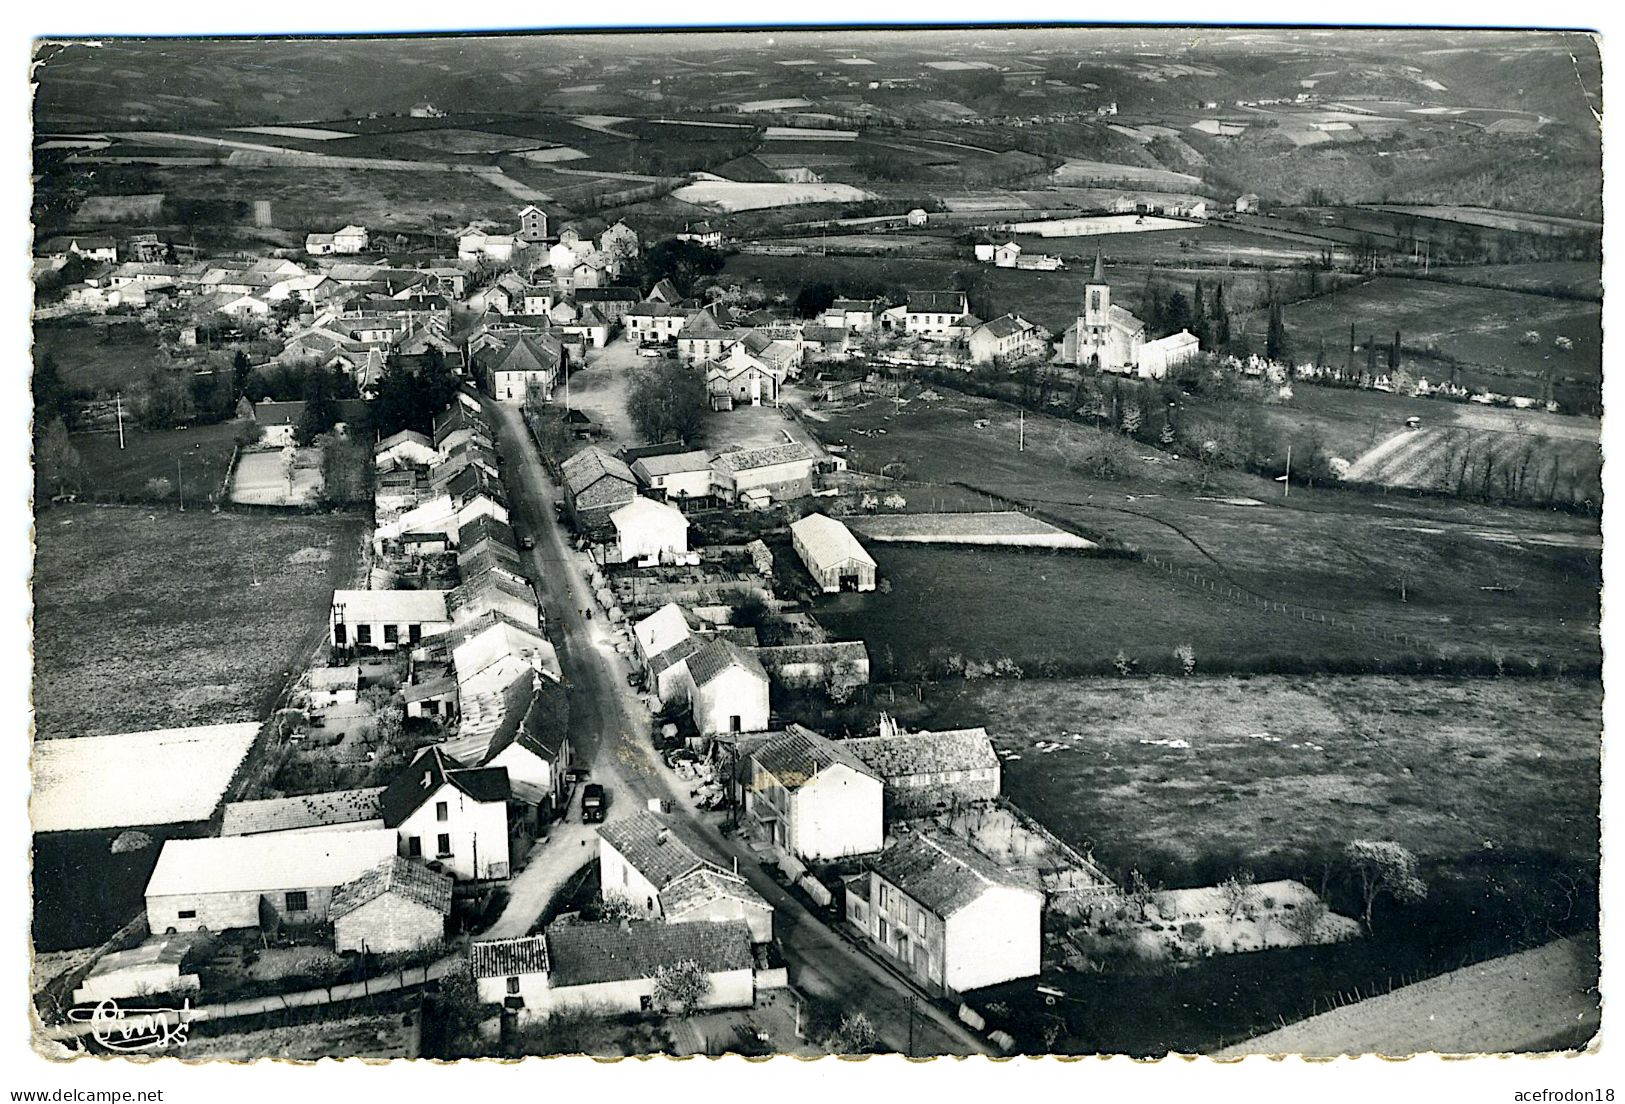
(992, 541)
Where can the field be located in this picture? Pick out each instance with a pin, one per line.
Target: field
(369, 1037)
(1096, 225)
(1569, 279)
(1082, 173)
(1474, 325)
(1427, 458)
(1271, 766)
(159, 619)
(1190, 243)
(99, 357)
(191, 461)
(1497, 220)
(738, 195)
(1330, 550)
(261, 478)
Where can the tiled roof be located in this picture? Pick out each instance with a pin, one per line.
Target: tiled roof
(607, 295)
(671, 463)
(509, 957)
(279, 814)
(1006, 325)
(936, 302)
(718, 656)
(487, 591)
(647, 841)
(942, 873)
(591, 954)
(397, 875)
(700, 887)
(428, 772)
(528, 353)
(926, 752)
(829, 542)
(664, 627)
(797, 757)
(405, 436)
(539, 721)
(674, 655)
(482, 527)
(748, 459)
(834, 651)
(592, 464)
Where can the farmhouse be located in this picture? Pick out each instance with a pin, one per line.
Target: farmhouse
(645, 860)
(477, 245)
(832, 554)
(681, 476)
(933, 314)
(451, 816)
(777, 471)
(532, 224)
(742, 378)
(930, 771)
(852, 314)
(701, 232)
(351, 239)
(596, 484)
(665, 627)
(491, 651)
(1007, 337)
(335, 810)
(726, 687)
(654, 322)
(813, 798)
(532, 743)
(92, 247)
(384, 620)
(703, 336)
(646, 530)
(947, 915)
(609, 969)
(396, 906)
(1004, 256)
(1247, 204)
(235, 881)
(493, 592)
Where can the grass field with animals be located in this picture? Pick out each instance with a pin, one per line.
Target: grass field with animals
(125, 641)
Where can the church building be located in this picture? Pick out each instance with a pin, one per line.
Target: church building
(1104, 337)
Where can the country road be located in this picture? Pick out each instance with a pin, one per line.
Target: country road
(610, 730)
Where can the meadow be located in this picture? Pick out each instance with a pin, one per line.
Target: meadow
(154, 619)
(192, 461)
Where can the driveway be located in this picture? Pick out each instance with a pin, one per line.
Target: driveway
(569, 846)
(603, 389)
(609, 726)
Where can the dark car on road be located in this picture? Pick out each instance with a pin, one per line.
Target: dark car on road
(527, 542)
(594, 802)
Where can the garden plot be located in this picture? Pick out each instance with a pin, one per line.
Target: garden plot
(1098, 224)
(556, 153)
(1008, 528)
(735, 195)
(277, 478)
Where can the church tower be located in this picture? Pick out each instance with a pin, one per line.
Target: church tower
(1097, 298)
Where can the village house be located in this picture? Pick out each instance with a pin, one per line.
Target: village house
(456, 425)
(471, 453)
(609, 969)
(1159, 356)
(532, 743)
(492, 650)
(331, 686)
(664, 628)
(221, 883)
(653, 322)
(857, 315)
(646, 530)
(611, 302)
(532, 224)
(396, 906)
(1247, 204)
(680, 477)
(385, 620)
(596, 484)
(520, 362)
(701, 233)
(351, 239)
(334, 810)
(917, 217)
(828, 342)
(405, 449)
(776, 472)
(704, 337)
(493, 592)
(814, 799)
(451, 816)
(832, 554)
(644, 860)
(947, 915)
(928, 772)
(742, 378)
(91, 247)
(474, 246)
(933, 314)
(1007, 337)
(725, 687)
(431, 697)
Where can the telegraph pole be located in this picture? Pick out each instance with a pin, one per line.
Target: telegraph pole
(1286, 484)
(180, 488)
(912, 1002)
(118, 402)
(1021, 430)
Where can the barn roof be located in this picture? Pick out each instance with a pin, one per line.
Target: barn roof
(269, 862)
(591, 954)
(829, 542)
(926, 752)
(400, 876)
(798, 755)
(509, 957)
(942, 873)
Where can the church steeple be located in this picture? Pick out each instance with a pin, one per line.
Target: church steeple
(1100, 272)
(1097, 297)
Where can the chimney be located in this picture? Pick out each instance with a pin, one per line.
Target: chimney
(665, 833)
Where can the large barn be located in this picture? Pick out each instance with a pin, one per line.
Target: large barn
(832, 554)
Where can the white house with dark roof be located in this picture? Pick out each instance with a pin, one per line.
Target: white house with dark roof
(926, 772)
(645, 860)
(609, 969)
(450, 816)
(532, 743)
(665, 627)
(726, 688)
(649, 530)
(776, 471)
(813, 798)
(396, 906)
(1007, 337)
(947, 915)
(834, 557)
(933, 314)
(220, 883)
(677, 477)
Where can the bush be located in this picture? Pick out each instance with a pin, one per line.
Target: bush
(1192, 930)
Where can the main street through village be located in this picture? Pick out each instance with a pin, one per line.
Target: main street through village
(610, 732)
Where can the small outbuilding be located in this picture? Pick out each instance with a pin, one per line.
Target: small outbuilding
(649, 530)
(398, 905)
(832, 554)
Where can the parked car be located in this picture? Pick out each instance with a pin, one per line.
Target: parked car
(649, 351)
(527, 542)
(594, 802)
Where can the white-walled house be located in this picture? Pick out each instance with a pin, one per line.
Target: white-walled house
(814, 799)
(726, 688)
(678, 477)
(1157, 357)
(406, 449)
(225, 882)
(644, 859)
(662, 629)
(386, 620)
(610, 969)
(451, 816)
(646, 529)
(948, 915)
